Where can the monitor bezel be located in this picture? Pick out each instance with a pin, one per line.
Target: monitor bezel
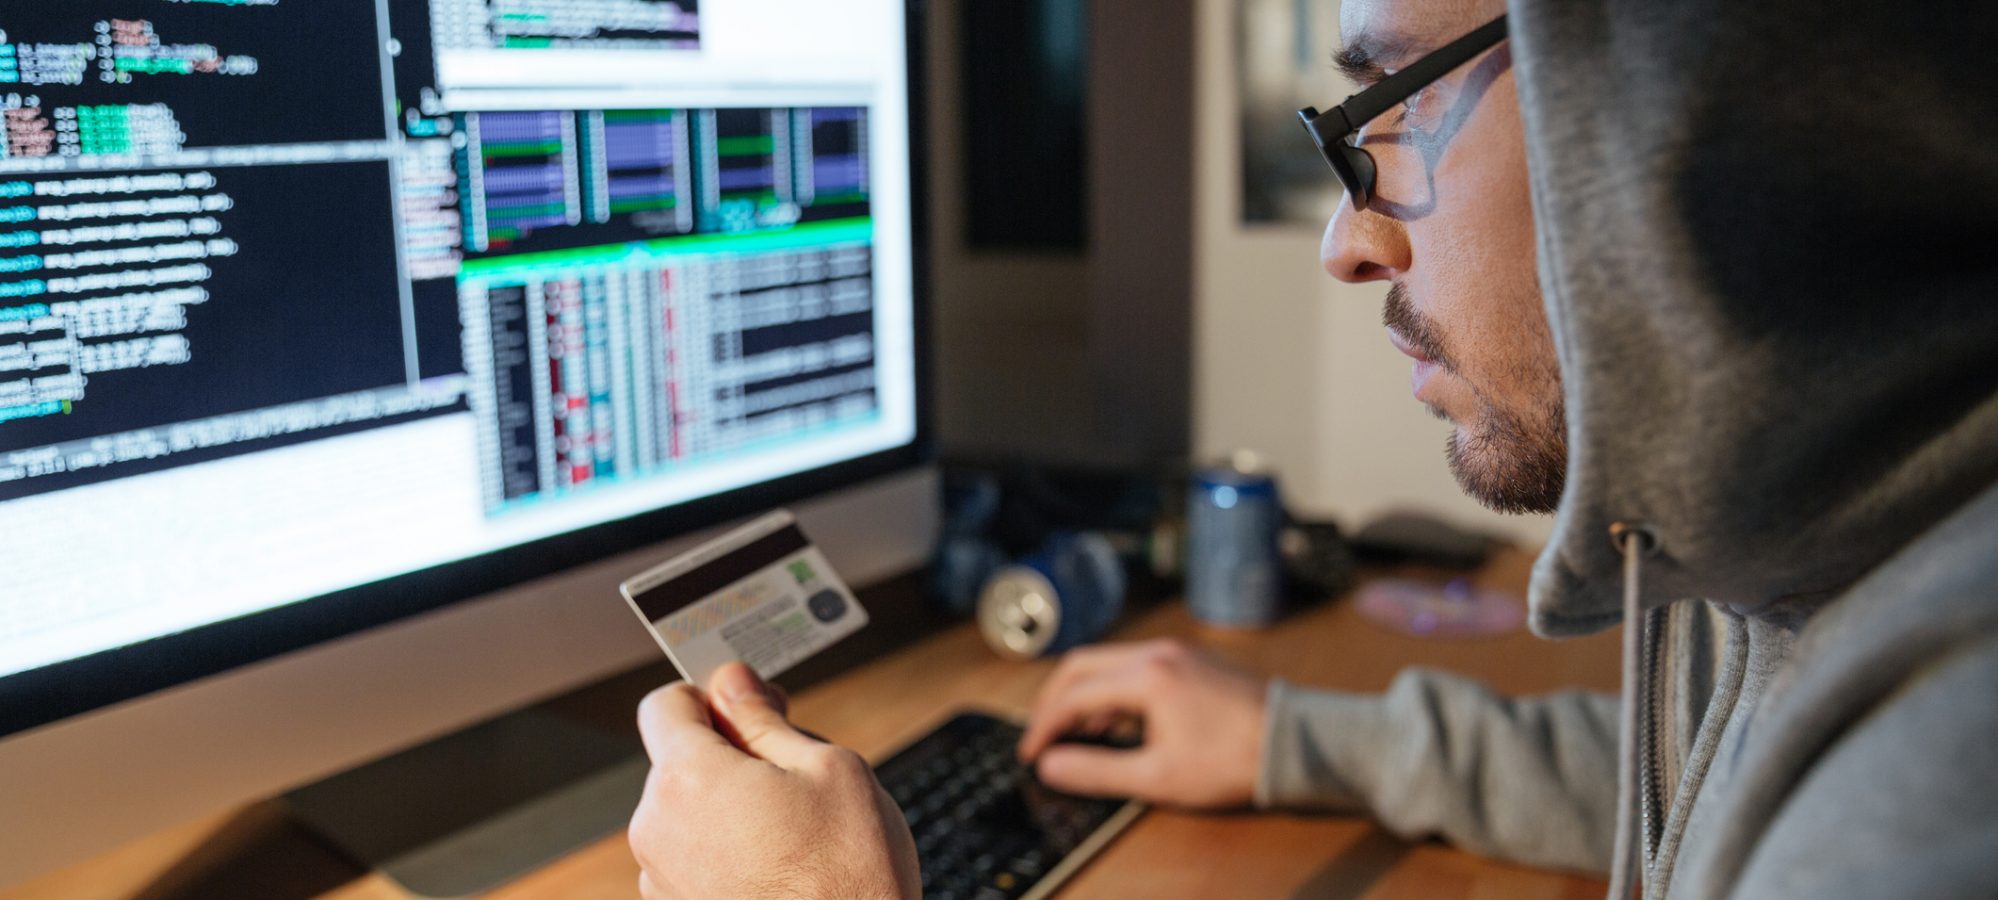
(43, 696)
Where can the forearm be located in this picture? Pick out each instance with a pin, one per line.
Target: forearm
(1531, 780)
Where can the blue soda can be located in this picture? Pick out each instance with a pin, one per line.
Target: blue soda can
(1061, 596)
(1234, 520)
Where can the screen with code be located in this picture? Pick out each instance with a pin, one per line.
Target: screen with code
(297, 296)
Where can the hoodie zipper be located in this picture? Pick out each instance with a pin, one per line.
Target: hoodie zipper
(1651, 788)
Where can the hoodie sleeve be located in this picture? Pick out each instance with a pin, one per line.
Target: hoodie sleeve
(1529, 780)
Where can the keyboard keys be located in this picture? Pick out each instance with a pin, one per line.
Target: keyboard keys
(984, 828)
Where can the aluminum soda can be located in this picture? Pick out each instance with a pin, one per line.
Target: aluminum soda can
(1061, 596)
(1234, 570)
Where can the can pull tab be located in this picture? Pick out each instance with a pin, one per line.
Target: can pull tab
(1018, 613)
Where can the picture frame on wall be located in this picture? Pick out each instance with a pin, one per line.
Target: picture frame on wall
(1284, 57)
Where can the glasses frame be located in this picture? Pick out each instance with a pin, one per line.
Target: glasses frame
(1333, 130)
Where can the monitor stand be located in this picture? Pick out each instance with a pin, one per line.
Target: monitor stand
(473, 810)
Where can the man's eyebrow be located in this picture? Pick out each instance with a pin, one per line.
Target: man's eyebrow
(1366, 59)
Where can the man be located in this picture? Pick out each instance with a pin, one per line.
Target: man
(1758, 367)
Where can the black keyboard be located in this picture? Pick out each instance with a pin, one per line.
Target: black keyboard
(985, 828)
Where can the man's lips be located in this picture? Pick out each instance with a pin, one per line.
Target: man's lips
(1424, 365)
(1407, 349)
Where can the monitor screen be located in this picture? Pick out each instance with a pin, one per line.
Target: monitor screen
(298, 296)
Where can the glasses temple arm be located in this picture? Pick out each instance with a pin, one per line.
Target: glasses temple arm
(1367, 105)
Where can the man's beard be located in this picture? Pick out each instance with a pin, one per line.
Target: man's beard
(1507, 461)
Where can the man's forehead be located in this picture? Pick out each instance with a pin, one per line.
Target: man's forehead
(1363, 17)
(1386, 30)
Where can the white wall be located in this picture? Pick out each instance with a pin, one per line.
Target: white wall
(1291, 363)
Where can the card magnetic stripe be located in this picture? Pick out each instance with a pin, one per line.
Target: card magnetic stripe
(720, 572)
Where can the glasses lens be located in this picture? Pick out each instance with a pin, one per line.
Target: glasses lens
(1355, 168)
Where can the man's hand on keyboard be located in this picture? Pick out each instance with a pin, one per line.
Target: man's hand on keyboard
(741, 804)
(1202, 719)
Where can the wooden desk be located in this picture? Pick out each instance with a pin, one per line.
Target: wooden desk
(876, 708)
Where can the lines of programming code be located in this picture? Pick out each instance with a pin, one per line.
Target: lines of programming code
(581, 24)
(115, 266)
(77, 83)
(433, 237)
(198, 235)
(133, 304)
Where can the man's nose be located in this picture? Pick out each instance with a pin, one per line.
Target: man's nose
(1360, 246)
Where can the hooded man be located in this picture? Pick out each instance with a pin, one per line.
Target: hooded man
(1755, 374)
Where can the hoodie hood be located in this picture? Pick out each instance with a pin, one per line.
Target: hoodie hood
(1770, 262)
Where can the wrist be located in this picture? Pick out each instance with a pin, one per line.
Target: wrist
(1261, 794)
(1316, 747)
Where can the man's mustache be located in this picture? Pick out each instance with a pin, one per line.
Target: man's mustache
(1419, 331)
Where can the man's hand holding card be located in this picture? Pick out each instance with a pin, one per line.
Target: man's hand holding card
(740, 803)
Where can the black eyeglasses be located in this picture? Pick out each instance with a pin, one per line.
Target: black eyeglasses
(1333, 129)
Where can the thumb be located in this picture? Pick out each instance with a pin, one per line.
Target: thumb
(1094, 771)
(747, 711)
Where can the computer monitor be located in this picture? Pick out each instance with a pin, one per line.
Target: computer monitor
(339, 339)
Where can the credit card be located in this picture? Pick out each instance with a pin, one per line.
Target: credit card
(761, 594)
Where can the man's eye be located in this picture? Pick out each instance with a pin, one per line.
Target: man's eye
(1413, 109)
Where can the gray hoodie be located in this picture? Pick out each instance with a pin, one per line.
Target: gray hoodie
(1768, 244)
